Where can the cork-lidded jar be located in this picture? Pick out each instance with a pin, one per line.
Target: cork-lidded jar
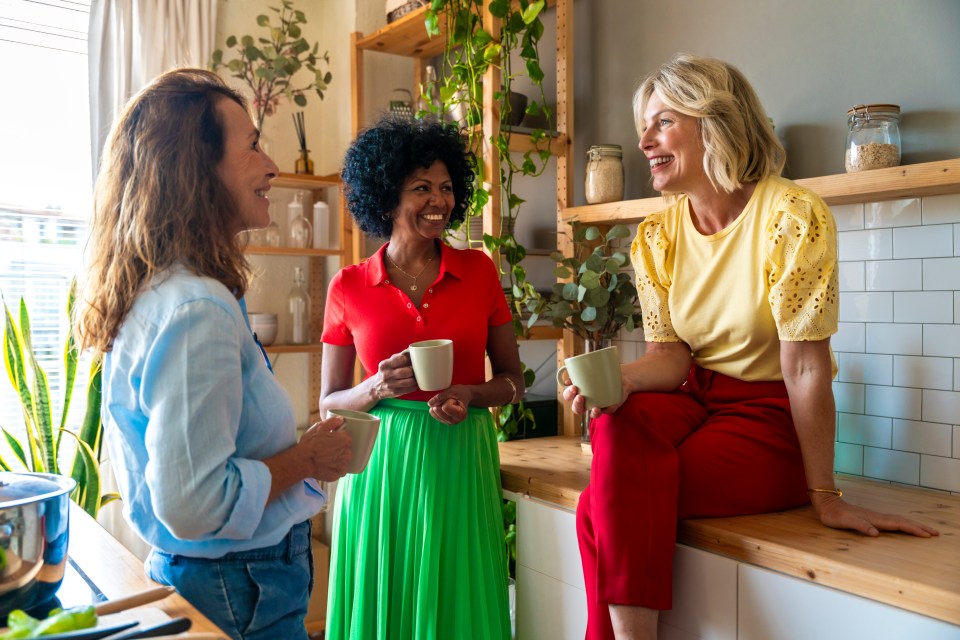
(873, 137)
(604, 181)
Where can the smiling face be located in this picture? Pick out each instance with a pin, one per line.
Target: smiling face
(671, 143)
(245, 169)
(426, 200)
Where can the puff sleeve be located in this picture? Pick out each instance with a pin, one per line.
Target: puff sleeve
(648, 254)
(801, 255)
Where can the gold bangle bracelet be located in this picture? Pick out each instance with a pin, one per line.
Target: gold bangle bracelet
(513, 387)
(836, 492)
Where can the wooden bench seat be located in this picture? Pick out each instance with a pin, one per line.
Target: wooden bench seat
(919, 575)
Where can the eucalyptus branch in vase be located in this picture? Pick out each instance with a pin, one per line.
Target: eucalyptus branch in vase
(267, 65)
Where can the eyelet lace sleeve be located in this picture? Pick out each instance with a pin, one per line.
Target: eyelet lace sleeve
(648, 254)
(802, 268)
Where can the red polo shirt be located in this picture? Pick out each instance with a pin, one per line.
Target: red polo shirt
(366, 310)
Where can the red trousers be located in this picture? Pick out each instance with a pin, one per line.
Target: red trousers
(716, 447)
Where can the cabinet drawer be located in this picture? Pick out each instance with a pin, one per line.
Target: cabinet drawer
(547, 541)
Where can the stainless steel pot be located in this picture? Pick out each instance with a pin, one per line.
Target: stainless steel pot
(34, 532)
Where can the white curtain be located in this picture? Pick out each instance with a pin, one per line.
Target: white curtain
(133, 41)
(130, 43)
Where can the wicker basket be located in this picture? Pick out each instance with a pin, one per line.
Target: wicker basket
(395, 11)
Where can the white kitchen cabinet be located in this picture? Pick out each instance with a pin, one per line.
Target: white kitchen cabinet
(774, 606)
(704, 597)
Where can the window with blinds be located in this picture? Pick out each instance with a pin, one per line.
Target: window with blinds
(45, 183)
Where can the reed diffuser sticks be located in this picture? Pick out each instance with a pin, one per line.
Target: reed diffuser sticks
(304, 164)
(301, 130)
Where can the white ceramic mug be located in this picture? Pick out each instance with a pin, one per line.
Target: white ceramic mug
(432, 363)
(363, 429)
(597, 375)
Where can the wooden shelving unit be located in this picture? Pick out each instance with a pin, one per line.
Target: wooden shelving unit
(316, 185)
(407, 37)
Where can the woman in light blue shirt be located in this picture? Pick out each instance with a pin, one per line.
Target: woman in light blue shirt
(201, 434)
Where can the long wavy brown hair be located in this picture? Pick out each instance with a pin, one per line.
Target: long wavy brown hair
(159, 202)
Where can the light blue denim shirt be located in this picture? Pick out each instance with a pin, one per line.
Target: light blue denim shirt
(190, 410)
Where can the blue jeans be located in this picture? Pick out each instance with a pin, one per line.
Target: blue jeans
(251, 595)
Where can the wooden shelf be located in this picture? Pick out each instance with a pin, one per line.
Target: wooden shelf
(294, 348)
(290, 251)
(406, 36)
(302, 181)
(913, 180)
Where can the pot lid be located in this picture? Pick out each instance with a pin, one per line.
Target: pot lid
(22, 488)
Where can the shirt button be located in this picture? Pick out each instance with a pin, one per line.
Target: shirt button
(409, 305)
(426, 305)
(429, 290)
(418, 318)
(387, 281)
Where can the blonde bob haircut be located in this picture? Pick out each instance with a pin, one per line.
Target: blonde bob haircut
(737, 137)
(159, 202)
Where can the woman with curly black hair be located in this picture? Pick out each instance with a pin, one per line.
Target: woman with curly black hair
(418, 536)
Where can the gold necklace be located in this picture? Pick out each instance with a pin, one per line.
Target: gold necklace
(413, 287)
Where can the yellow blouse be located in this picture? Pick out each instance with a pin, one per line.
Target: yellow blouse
(771, 275)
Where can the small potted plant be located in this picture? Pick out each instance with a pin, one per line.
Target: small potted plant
(268, 64)
(594, 298)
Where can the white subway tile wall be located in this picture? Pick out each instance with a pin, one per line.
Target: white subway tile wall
(898, 348)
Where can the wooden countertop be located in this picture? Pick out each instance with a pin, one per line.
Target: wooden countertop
(117, 573)
(920, 575)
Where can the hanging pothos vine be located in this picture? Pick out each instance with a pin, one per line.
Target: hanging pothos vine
(471, 50)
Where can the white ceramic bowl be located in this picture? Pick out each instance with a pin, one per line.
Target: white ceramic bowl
(265, 326)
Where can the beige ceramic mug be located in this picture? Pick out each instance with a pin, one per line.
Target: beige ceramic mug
(597, 375)
(363, 429)
(432, 363)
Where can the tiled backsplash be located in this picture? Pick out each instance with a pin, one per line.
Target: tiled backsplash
(898, 348)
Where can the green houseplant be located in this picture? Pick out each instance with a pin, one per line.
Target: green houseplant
(595, 298)
(471, 52)
(267, 64)
(40, 449)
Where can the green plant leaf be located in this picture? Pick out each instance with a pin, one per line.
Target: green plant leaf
(263, 20)
(16, 447)
(588, 314)
(88, 489)
(531, 12)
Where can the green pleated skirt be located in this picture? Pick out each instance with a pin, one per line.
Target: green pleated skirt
(418, 550)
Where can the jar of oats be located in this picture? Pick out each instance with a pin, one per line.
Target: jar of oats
(604, 173)
(873, 137)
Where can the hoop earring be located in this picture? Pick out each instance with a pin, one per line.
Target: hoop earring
(385, 217)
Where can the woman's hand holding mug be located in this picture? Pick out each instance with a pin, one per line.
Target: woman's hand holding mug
(394, 377)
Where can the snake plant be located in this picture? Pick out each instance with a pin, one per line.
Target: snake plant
(39, 451)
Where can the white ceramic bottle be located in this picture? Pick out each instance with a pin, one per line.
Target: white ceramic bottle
(321, 225)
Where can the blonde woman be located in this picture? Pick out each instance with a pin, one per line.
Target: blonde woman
(730, 410)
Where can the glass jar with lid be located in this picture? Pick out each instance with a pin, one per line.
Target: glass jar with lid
(604, 181)
(873, 137)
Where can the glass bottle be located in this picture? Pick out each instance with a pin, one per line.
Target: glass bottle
(271, 232)
(321, 224)
(303, 164)
(300, 231)
(604, 181)
(873, 137)
(298, 307)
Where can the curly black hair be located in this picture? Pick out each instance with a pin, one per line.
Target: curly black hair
(383, 156)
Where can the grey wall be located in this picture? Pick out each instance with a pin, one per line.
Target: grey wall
(810, 60)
